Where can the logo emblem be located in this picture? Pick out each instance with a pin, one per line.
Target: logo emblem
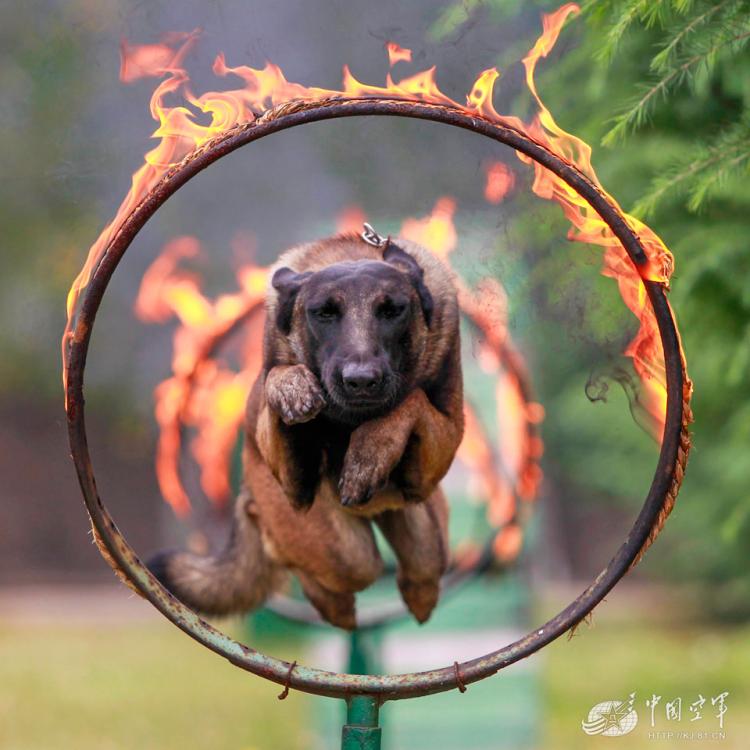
(611, 718)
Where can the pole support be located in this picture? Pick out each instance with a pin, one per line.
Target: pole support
(361, 731)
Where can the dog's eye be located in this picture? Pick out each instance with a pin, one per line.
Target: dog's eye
(389, 310)
(328, 312)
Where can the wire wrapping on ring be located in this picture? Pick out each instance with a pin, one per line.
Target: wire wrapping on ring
(283, 694)
(459, 680)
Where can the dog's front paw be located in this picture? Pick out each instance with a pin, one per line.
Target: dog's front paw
(359, 481)
(372, 455)
(294, 394)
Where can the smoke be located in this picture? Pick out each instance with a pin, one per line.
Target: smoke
(597, 390)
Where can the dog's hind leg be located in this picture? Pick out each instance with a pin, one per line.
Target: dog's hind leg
(335, 607)
(332, 552)
(418, 535)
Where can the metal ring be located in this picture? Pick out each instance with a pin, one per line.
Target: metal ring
(660, 498)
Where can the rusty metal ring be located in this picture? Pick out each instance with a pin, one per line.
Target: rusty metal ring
(658, 503)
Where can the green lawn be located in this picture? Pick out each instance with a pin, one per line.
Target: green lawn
(616, 657)
(148, 686)
(139, 686)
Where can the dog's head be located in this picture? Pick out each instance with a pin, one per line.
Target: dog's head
(362, 324)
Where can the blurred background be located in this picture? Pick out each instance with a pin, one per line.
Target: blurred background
(660, 91)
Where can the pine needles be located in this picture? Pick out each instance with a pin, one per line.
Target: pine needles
(696, 40)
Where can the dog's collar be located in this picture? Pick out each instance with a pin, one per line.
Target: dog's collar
(371, 237)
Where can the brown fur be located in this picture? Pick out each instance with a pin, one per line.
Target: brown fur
(300, 464)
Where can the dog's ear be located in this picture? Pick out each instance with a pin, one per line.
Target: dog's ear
(287, 283)
(398, 257)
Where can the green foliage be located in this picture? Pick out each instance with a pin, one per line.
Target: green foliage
(47, 163)
(698, 45)
(681, 145)
(712, 169)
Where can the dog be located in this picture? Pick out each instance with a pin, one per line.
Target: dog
(354, 419)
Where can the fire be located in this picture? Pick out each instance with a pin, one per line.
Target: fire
(435, 231)
(500, 181)
(397, 54)
(202, 393)
(514, 473)
(587, 227)
(147, 60)
(350, 219)
(182, 128)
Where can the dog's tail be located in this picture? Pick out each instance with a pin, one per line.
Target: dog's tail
(238, 579)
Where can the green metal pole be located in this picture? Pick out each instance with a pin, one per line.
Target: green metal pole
(361, 731)
(359, 658)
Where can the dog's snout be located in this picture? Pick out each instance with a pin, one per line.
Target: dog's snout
(362, 379)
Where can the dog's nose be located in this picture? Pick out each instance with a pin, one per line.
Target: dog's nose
(361, 379)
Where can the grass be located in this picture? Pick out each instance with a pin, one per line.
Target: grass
(146, 686)
(614, 658)
(134, 686)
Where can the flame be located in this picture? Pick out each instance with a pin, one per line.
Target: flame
(588, 227)
(148, 60)
(166, 290)
(513, 474)
(436, 231)
(397, 54)
(179, 133)
(202, 393)
(500, 181)
(182, 128)
(350, 219)
(508, 543)
(516, 474)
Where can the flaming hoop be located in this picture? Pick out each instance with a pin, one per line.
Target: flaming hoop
(379, 688)
(267, 104)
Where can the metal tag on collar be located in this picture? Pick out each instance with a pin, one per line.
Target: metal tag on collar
(371, 237)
